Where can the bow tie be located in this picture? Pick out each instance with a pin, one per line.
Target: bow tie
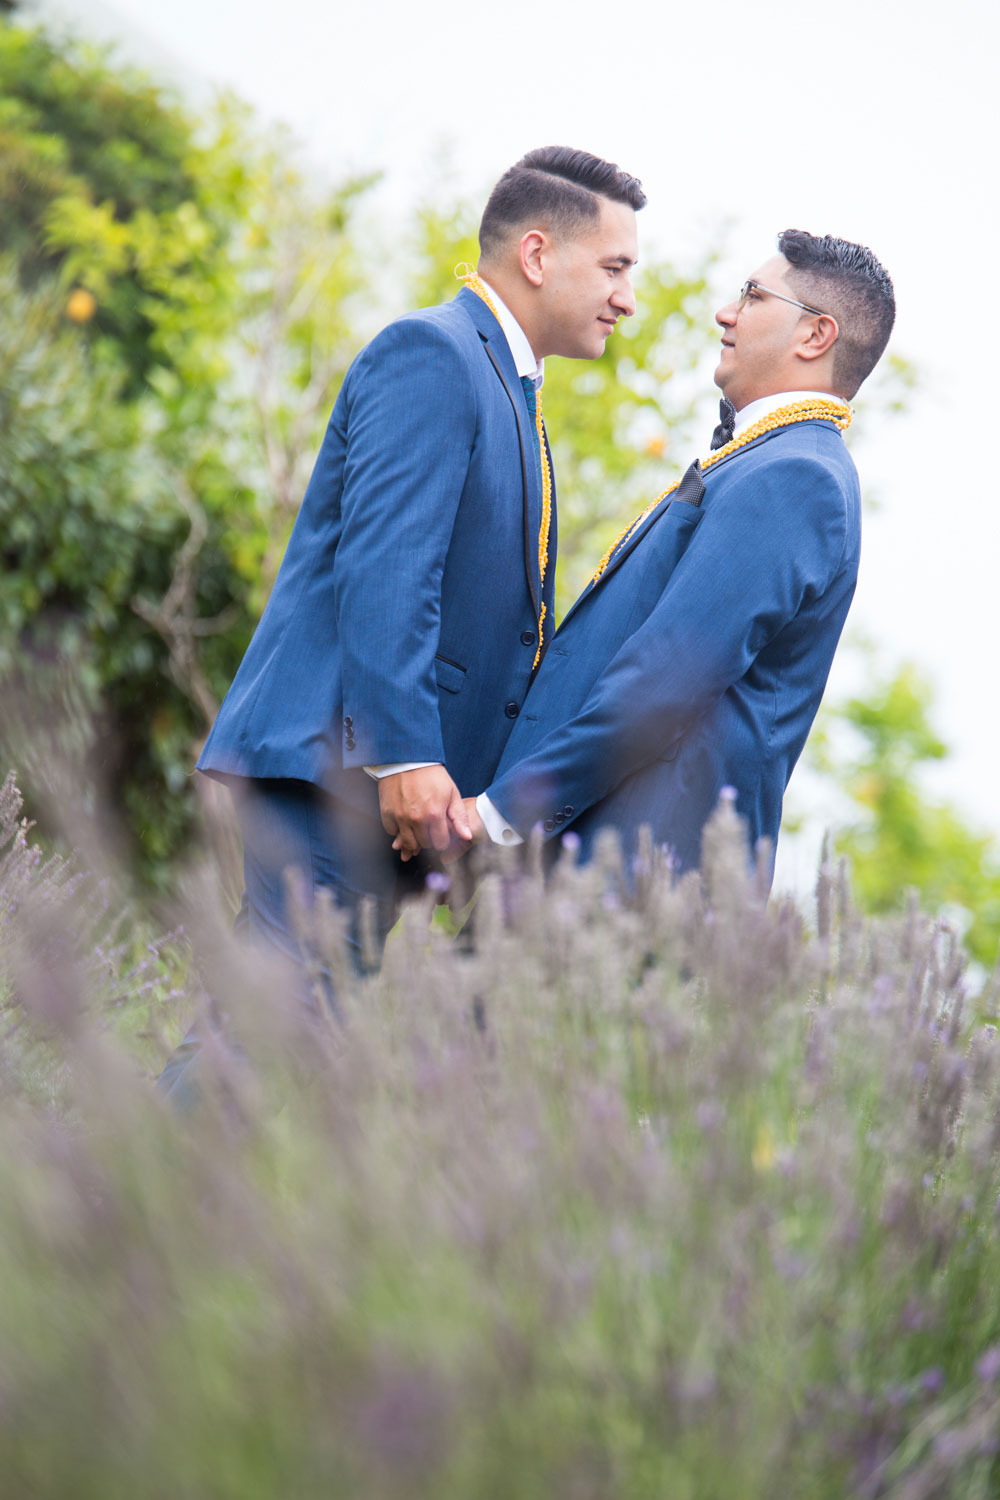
(727, 419)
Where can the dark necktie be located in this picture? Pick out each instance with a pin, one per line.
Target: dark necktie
(727, 418)
(531, 396)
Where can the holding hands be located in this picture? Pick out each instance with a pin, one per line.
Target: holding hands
(456, 849)
(423, 809)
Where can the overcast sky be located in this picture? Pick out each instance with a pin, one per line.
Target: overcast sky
(871, 119)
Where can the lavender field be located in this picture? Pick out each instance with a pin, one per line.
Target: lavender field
(645, 1190)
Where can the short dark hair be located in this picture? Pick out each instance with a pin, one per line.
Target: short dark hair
(556, 186)
(848, 282)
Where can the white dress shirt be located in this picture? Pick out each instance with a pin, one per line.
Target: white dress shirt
(525, 363)
(754, 411)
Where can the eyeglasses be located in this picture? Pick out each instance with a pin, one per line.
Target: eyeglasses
(755, 286)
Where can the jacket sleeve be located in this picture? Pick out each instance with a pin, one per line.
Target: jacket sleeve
(762, 551)
(410, 421)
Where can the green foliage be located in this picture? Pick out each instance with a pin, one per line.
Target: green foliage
(104, 182)
(645, 1192)
(905, 839)
(86, 520)
(444, 240)
(177, 311)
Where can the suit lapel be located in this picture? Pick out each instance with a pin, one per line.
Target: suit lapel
(688, 492)
(748, 448)
(500, 357)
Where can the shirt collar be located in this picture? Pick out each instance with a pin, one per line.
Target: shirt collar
(523, 355)
(755, 411)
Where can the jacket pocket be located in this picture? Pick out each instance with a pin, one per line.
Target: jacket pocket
(449, 674)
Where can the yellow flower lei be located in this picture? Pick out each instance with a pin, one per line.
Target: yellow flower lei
(474, 282)
(796, 411)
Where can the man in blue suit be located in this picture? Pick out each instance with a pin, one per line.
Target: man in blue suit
(696, 657)
(415, 595)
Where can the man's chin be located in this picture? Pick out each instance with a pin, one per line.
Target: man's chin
(583, 348)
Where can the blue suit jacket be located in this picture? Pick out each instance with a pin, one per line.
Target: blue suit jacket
(403, 621)
(699, 658)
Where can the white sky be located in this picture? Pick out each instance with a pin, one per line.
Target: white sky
(871, 119)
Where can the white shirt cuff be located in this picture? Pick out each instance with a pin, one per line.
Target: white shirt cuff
(377, 772)
(495, 823)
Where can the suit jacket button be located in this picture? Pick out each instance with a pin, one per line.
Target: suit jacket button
(527, 637)
(349, 743)
(548, 825)
(560, 818)
(348, 722)
(512, 710)
(569, 811)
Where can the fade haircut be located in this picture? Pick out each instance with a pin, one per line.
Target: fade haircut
(557, 187)
(846, 281)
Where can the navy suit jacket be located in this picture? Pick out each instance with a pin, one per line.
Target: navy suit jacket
(403, 622)
(698, 659)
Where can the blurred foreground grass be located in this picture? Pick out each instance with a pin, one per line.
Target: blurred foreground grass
(650, 1191)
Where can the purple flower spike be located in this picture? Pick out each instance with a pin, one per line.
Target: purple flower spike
(727, 794)
(988, 1367)
(437, 880)
(949, 1446)
(914, 1316)
(932, 1379)
(571, 840)
(789, 1265)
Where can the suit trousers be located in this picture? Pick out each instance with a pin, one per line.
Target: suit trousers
(294, 828)
(296, 835)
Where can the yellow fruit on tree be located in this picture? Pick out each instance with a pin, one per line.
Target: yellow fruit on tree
(81, 306)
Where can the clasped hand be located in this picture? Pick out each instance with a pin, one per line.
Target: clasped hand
(423, 809)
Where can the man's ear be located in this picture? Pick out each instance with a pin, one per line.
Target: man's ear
(532, 250)
(821, 338)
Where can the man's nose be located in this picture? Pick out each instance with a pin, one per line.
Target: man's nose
(726, 316)
(623, 298)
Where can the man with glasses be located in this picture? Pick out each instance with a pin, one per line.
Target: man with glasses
(695, 659)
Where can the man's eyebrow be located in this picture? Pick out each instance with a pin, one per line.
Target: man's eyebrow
(619, 260)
